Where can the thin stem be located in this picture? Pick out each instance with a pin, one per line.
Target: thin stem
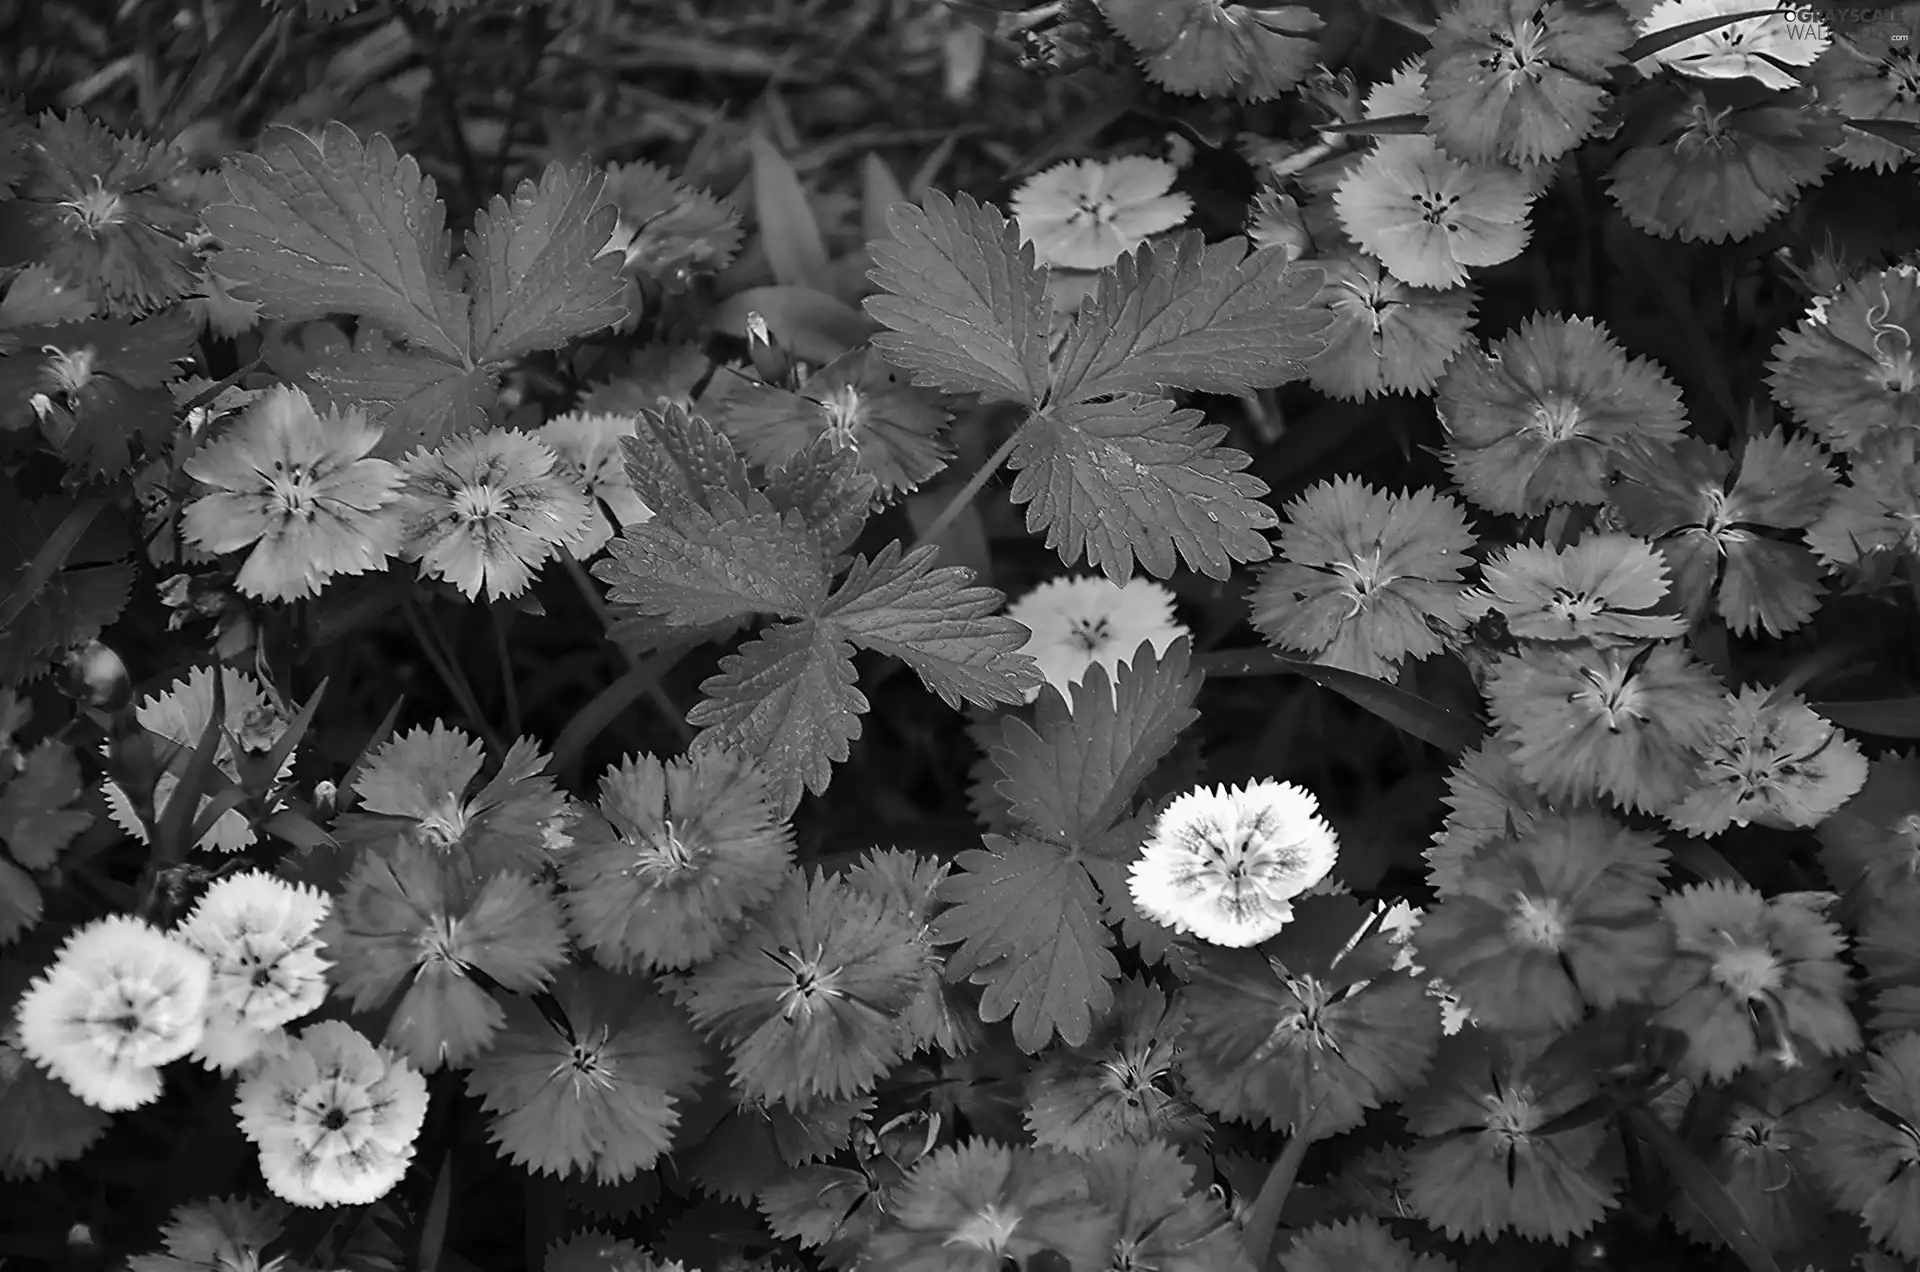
(964, 496)
(508, 689)
(669, 711)
(1263, 1217)
(450, 674)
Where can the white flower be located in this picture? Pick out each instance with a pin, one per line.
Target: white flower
(180, 715)
(1085, 214)
(1226, 863)
(335, 1117)
(587, 446)
(1077, 622)
(260, 935)
(1752, 48)
(121, 999)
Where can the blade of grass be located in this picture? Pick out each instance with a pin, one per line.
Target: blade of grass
(1698, 1182)
(450, 674)
(375, 741)
(1447, 729)
(47, 561)
(1660, 41)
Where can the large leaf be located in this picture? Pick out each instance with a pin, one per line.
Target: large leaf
(541, 277)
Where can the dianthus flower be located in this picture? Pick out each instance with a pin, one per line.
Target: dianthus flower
(1759, 1154)
(668, 231)
(120, 1000)
(253, 723)
(807, 999)
(973, 1207)
(1226, 863)
(1775, 762)
(1550, 923)
(1386, 337)
(679, 853)
(260, 937)
(1714, 531)
(1366, 579)
(1076, 622)
(486, 510)
(1889, 949)
(1487, 799)
(228, 1234)
(586, 450)
(1852, 372)
(1087, 213)
(1119, 1086)
(1547, 413)
(1873, 73)
(1354, 1245)
(1754, 976)
(596, 1092)
(940, 1015)
(1212, 48)
(1870, 1162)
(1484, 1165)
(334, 1117)
(1597, 590)
(1274, 220)
(1586, 722)
(1759, 48)
(1870, 846)
(302, 490)
(1520, 80)
(408, 917)
(416, 787)
(1876, 512)
(1429, 216)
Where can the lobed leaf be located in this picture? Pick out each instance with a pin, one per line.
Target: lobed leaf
(542, 277)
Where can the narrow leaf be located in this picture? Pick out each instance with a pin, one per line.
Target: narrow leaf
(879, 191)
(168, 844)
(1706, 1192)
(1445, 728)
(1665, 38)
(788, 231)
(1884, 717)
(1383, 126)
(52, 554)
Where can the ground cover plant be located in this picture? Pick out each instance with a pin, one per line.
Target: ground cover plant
(1122, 636)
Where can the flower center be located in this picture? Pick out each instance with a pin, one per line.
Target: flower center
(95, 210)
(843, 410)
(334, 1119)
(1364, 574)
(1902, 73)
(988, 1228)
(1520, 52)
(1089, 634)
(1511, 1114)
(480, 503)
(1538, 922)
(1747, 971)
(1556, 418)
(811, 986)
(1575, 607)
(72, 370)
(1437, 208)
(665, 856)
(1613, 695)
(1092, 210)
(444, 824)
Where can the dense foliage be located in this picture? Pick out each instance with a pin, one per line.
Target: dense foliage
(917, 636)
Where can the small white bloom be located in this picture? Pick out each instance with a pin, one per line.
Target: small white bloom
(587, 446)
(180, 715)
(1752, 48)
(260, 935)
(1077, 622)
(1085, 214)
(1225, 863)
(121, 999)
(334, 1117)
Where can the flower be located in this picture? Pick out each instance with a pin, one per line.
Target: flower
(416, 788)
(1386, 337)
(1594, 590)
(1429, 216)
(1877, 510)
(1852, 371)
(120, 1000)
(260, 937)
(680, 852)
(1120, 1085)
(1753, 974)
(1274, 220)
(1873, 73)
(334, 1117)
(1774, 762)
(940, 1015)
(1353, 1245)
(1871, 844)
(407, 917)
(1759, 1155)
(1870, 1162)
(1488, 799)
(1546, 414)
(1715, 533)
(1163, 1220)
(807, 998)
(1520, 80)
(253, 723)
(601, 1097)
(228, 1234)
(668, 231)
(1549, 923)
(1086, 214)
(590, 1251)
(1888, 948)
(1586, 722)
(586, 450)
(1076, 622)
(972, 1207)
(1210, 48)
(1759, 48)
(1485, 1164)
(1367, 578)
(1718, 163)
(301, 488)
(487, 509)
(1225, 863)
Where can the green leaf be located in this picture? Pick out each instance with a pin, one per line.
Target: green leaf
(1380, 126)
(1071, 773)
(328, 225)
(1186, 314)
(965, 306)
(1884, 717)
(701, 570)
(542, 279)
(937, 622)
(417, 399)
(1452, 731)
(678, 462)
(35, 823)
(1026, 918)
(1697, 1180)
(788, 699)
(784, 219)
(1137, 478)
(825, 486)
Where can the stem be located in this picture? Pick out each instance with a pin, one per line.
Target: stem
(507, 687)
(676, 719)
(450, 674)
(1264, 1216)
(958, 504)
